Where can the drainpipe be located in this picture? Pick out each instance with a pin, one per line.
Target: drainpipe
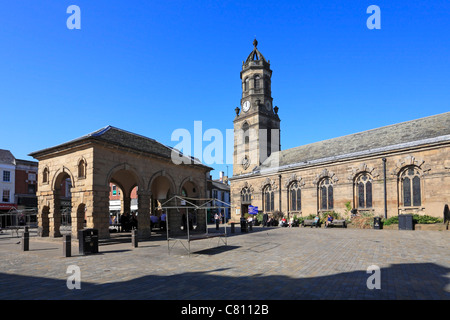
(385, 190)
(279, 192)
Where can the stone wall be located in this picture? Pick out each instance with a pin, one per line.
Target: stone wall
(430, 161)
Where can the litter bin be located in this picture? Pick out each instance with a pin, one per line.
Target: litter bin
(377, 224)
(232, 227)
(405, 222)
(88, 241)
(244, 225)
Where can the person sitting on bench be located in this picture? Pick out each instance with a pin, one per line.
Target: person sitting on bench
(316, 221)
(329, 220)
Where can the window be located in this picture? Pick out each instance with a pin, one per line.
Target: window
(6, 176)
(246, 82)
(82, 169)
(411, 187)
(68, 186)
(245, 129)
(114, 190)
(31, 188)
(325, 194)
(257, 82)
(269, 142)
(363, 191)
(268, 197)
(5, 197)
(295, 197)
(32, 176)
(45, 176)
(246, 196)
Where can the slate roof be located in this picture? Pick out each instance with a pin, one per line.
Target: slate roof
(7, 157)
(393, 137)
(121, 138)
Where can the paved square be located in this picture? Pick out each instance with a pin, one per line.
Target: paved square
(275, 263)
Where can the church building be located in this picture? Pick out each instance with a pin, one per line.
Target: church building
(397, 169)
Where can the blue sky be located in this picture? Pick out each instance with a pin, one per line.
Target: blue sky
(152, 67)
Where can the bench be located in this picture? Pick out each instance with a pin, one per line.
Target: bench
(310, 223)
(337, 223)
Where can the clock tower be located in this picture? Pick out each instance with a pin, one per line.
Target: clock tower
(256, 125)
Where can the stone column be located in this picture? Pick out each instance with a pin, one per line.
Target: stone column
(97, 210)
(143, 216)
(55, 217)
(126, 205)
(43, 215)
(78, 213)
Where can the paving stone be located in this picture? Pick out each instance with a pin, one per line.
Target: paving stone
(275, 263)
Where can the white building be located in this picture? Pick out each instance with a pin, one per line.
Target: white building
(220, 190)
(7, 180)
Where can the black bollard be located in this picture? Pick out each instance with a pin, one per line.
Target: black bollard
(67, 245)
(232, 227)
(26, 240)
(134, 238)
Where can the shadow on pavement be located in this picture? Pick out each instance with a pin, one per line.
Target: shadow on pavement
(423, 281)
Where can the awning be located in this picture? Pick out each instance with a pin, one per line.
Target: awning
(7, 206)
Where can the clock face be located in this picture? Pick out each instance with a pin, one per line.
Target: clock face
(246, 106)
(268, 106)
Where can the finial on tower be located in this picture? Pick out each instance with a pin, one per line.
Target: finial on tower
(255, 43)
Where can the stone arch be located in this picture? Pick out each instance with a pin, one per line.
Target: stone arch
(192, 188)
(162, 173)
(60, 202)
(126, 168)
(410, 161)
(270, 182)
(325, 173)
(78, 218)
(362, 167)
(58, 176)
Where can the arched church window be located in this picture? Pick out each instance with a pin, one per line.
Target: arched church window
(363, 190)
(268, 196)
(246, 84)
(295, 197)
(257, 82)
(326, 194)
(246, 195)
(411, 187)
(245, 129)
